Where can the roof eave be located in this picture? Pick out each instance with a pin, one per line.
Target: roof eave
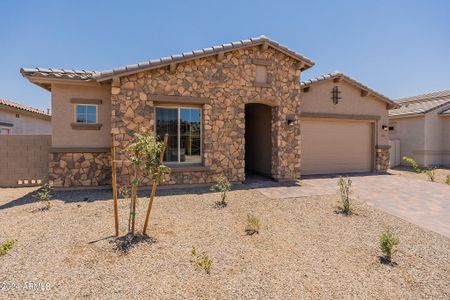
(407, 115)
(391, 104)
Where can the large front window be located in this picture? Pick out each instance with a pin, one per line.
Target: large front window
(184, 128)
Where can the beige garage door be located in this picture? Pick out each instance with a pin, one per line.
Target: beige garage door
(335, 146)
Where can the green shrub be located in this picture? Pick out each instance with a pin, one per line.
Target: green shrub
(447, 179)
(201, 260)
(413, 163)
(388, 244)
(431, 173)
(6, 246)
(345, 189)
(223, 186)
(253, 225)
(43, 195)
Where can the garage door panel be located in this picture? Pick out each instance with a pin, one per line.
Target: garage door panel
(336, 147)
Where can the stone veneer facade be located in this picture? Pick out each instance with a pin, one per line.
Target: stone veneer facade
(228, 84)
(382, 159)
(79, 169)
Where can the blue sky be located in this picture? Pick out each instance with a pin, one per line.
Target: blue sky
(399, 48)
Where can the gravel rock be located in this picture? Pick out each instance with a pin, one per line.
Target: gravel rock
(304, 250)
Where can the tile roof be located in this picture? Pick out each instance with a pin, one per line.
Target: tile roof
(446, 112)
(185, 56)
(8, 103)
(337, 74)
(58, 73)
(421, 104)
(163, 61)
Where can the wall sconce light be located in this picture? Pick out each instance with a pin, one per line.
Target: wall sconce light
(385, 127)
(290, 120)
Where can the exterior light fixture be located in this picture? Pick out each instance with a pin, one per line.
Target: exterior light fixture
(290, 120)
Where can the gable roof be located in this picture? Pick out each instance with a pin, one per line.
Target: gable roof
(340, 75)
(205, 52)
(23, 107)
(421, 104)
(164, 61)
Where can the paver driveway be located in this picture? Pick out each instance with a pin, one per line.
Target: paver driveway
(426, 204)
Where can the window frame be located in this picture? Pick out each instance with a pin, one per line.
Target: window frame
(178, 108)
(83, 104)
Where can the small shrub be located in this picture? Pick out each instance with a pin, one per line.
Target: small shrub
(43, 195)
(388, 244)
(431, 173)
(253, 225)
(223, 186)
(6, 246)
(201, 260)
(345, 189)
(447, 179)
(413, 163)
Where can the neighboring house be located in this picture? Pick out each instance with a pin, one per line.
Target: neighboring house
(422, 126)
(231, 109)
(17, 118)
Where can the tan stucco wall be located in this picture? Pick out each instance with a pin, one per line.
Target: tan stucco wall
(425, 138)
(446, 127)
(26, 123)
(411, 133)
(64, 114)
(318, 100)
(23, 159)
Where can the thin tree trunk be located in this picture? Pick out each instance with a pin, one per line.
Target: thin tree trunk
(134, 190)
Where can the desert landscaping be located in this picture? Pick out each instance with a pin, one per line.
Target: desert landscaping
(305, 248)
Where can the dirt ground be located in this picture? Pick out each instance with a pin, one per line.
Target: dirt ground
(441, 173)
(305, 250)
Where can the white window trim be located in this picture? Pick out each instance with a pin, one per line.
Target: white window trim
(178, 132)
(75, 113)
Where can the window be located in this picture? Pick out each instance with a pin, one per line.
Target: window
(183, 125)
(5, 131)
(86, 113)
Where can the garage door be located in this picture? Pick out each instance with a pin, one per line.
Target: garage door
(335, 146)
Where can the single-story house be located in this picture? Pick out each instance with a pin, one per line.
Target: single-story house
(421, 127)
(232, 109)
(16, 118)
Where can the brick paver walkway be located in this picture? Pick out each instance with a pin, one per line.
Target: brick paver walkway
(423, 203)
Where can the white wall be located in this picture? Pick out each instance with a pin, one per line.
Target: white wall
(411, 133)
(26, 123)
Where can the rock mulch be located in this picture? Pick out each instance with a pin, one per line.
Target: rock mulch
(303, 250)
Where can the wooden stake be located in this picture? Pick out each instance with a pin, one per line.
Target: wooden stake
(155, 184)
(114, 183)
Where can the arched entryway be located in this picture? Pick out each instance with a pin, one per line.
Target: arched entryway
(258, 139)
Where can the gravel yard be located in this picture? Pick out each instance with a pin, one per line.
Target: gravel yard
(304, 249)
(441, 173)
